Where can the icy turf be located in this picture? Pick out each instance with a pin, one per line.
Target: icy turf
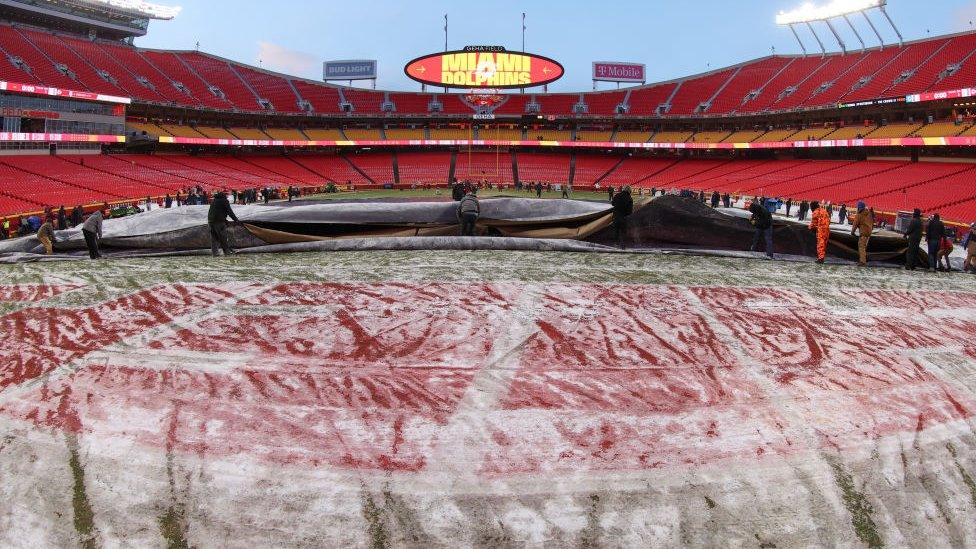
(493, 398)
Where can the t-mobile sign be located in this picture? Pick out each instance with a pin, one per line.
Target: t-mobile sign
(609, 71)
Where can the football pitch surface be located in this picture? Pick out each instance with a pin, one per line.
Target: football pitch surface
(446, 399)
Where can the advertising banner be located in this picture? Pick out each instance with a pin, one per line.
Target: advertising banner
(610, 71)
(350, 69)
(57, 92)
(935, 96)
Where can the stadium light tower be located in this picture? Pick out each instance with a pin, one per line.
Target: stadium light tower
(810, 13)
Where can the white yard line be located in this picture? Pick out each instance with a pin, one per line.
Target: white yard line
(465, 436)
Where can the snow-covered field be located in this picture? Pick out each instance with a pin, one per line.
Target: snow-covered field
(452, 399)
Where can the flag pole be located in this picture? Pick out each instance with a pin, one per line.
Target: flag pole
(445, 40)
(522, 90)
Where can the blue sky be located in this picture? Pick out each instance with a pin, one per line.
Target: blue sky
(672, 38)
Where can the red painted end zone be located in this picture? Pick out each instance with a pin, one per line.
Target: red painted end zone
(369, 376)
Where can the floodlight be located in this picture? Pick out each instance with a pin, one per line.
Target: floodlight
(835, 8)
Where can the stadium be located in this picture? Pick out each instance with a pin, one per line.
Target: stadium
(356, 374)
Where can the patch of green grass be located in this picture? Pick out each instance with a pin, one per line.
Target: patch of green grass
(84, 516)
(859, 507)
(374, 520)
(966, 477)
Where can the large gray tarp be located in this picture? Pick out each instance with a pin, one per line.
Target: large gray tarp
(518, 223)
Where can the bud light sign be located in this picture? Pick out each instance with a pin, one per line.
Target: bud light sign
(608, 71)
(362, 69)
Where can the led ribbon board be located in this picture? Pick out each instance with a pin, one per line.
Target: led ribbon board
(484, 69)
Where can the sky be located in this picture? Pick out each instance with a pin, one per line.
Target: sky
(673, 39)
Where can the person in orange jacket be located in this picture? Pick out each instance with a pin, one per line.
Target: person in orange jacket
(820, 222)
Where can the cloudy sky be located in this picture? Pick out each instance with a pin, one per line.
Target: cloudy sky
(673, 38)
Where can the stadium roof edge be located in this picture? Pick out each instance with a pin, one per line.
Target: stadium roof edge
(626, 88)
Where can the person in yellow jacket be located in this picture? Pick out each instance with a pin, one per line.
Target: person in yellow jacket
(46, 235)
(820, 223)
(862, 225)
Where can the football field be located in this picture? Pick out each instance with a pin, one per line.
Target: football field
(471, 399)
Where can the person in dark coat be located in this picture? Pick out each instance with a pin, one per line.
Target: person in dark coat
(623, 206)
(468, 211)
(727, 200)
(538, 189)
(934, 233)
(168, 201)
(610, 194)
(914, 235)
(804, 208)
(789, 206)
(91, 229)
(217, 216)
(715, 199)
(62, 218)
(76, 216)
(842, 215)
(457, 192)
(762, 220)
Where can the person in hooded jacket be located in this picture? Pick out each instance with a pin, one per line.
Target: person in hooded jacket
(217, 216)
(715, 199)
(914, 235)
(804, 208)
(623, 206)
(934, 233)
(46, 237)
(945, 250)
(862, 226)
(762, 220)
(468, 212)
(820, 223)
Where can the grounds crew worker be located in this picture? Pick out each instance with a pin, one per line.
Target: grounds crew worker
(217, 216)
(914, 235)
(468, 212)
(969, 244)
(934, 233)
(762, 220)
(92, 231)
(623, 206)
(820, 223)
(46, 235)
(863, 224)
